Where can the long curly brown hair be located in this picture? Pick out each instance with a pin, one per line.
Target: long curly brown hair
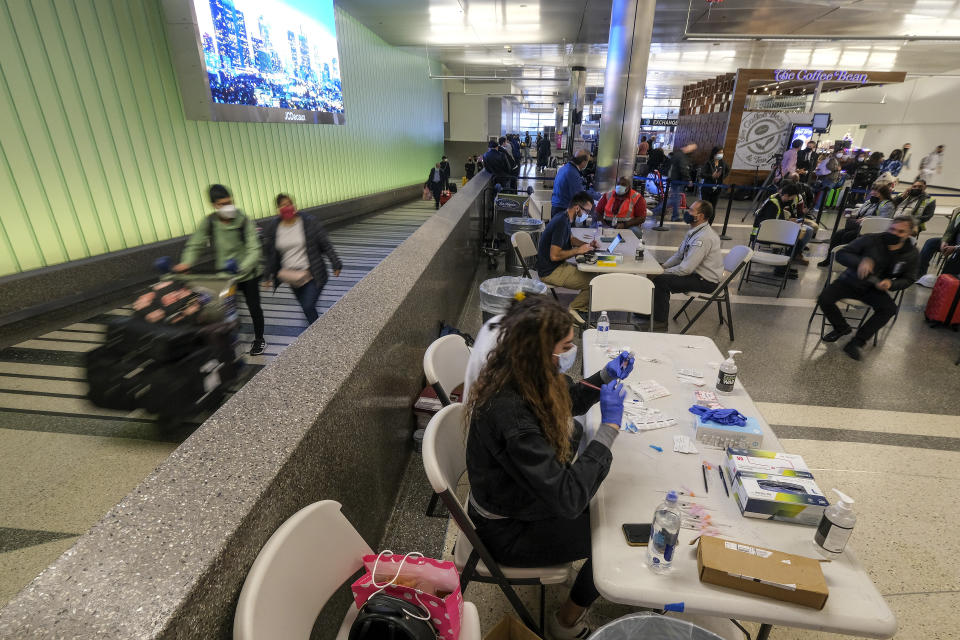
(523, 361)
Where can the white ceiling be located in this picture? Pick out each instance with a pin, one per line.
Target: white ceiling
(546, 37)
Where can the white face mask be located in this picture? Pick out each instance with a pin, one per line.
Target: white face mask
(839, 155)
(566, 359)
(227, 211)
(620, 189)
(719, 156)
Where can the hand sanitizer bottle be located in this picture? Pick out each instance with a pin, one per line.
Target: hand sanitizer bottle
(728, 373)
(835, 526)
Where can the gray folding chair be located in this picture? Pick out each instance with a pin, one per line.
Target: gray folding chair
(445, 461)
(779, 237)
(733, 263)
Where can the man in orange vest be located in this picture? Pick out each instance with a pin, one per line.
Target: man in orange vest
(623, 208)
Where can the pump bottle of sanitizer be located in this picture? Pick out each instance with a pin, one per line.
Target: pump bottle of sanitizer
(727, 376)
(835, 526)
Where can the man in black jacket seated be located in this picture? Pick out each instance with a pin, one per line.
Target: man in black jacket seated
(876, 263)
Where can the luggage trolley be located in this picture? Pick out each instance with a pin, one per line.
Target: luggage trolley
(507, 203)
(174, 369)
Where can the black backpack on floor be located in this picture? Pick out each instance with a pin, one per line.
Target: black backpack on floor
(385, 617)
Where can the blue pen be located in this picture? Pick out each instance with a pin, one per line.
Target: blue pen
(656, 448)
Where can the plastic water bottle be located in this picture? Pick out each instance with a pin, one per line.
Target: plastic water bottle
(664, 534)
(603, 330)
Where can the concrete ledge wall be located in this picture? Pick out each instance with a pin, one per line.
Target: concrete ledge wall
(329, 418)
(30, 293)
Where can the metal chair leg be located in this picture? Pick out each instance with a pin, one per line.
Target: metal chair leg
(432, 507)
(683, 308)
(695, 317)
(543, 606)
(720, 310)
(729, 315)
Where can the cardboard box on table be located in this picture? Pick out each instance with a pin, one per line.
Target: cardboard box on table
(763, 572)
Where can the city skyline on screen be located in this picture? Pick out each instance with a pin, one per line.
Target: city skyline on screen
(278, 53)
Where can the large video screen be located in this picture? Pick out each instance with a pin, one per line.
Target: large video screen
(271, 60)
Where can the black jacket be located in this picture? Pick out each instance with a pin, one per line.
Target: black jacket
(900, 266)
(657, 160)
(441, 185)
(706, 171)
(513, 469)
(543, 150)
(318, 246)
(445, 170)
(496, 162)
(679, 167)
(805, 159)
(470, 168)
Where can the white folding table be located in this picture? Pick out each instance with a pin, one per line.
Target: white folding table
(628, 249)
(640, 477)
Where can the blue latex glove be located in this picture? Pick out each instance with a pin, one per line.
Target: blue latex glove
(720, 416)
(621, 366)
(230, 266)
(612, 395)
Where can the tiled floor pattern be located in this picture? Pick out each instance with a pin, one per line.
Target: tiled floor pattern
(886, 430)
(64, 462)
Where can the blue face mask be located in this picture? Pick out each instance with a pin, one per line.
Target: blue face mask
(566, 359)
(620, 189)
(687, 218)
(581, 218)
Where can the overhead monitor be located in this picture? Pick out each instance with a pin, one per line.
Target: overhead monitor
(257, 60)
(821, 122)
(803, 132)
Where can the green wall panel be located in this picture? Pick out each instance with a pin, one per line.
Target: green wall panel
(96, 155)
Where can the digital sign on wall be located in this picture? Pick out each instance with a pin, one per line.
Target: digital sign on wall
(262, 61)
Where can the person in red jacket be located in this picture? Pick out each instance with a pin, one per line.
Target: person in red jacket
(623, 208)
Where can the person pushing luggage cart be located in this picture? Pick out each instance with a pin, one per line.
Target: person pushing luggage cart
(232, 236)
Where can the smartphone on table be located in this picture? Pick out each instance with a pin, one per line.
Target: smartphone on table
(637, 535)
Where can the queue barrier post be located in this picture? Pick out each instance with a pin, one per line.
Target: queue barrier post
(843, 202)
(726, 217)
(663, 209)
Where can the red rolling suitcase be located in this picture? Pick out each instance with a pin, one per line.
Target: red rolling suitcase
(942, 306)
(444, 197)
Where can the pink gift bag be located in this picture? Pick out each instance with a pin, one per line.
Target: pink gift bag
(429, 583)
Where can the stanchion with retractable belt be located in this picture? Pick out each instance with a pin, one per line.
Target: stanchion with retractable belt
(726, 217)
(663, 209)
(843, 201)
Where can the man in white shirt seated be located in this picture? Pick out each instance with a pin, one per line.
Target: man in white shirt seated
(696, 266)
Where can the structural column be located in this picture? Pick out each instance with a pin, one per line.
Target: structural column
(578, 91)
(631, 28)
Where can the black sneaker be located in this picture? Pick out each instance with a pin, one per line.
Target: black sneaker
(258, 347)
(836, 334)
(823, 263)
(852, 349)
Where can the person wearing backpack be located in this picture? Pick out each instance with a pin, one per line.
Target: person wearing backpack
(233, 237)
(295, 246)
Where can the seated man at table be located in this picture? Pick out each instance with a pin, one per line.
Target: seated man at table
(696, 266)
(622, 208)
(876, 263)
(557, 244)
